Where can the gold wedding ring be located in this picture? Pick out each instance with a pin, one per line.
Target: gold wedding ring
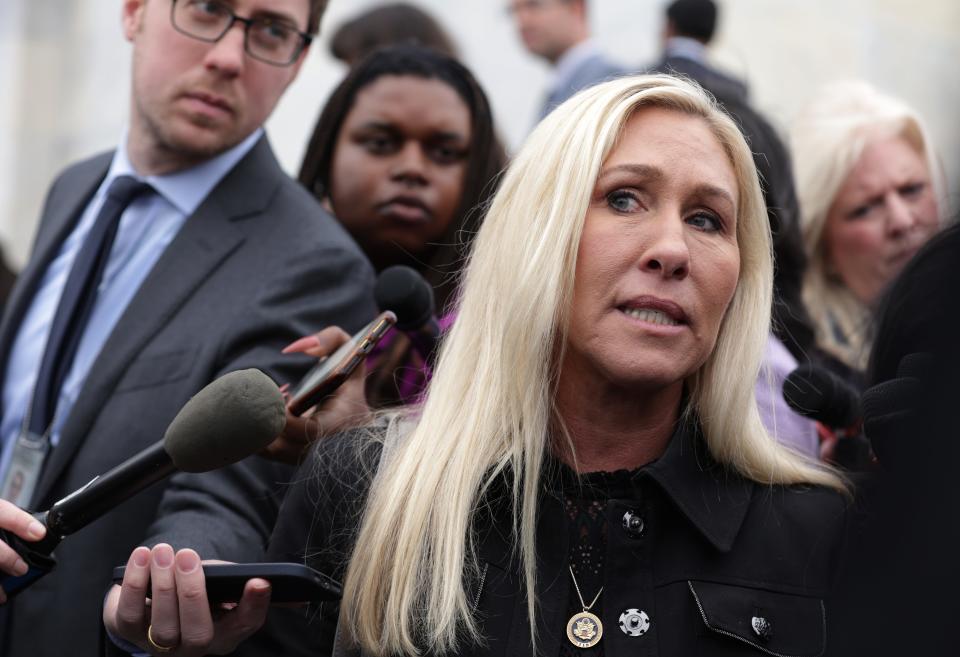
(153, 644)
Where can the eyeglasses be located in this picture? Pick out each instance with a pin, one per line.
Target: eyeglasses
(268, 39)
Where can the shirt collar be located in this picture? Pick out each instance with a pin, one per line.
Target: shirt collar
(185, 189)
(570, 61)
(714, 498)
(686, 48)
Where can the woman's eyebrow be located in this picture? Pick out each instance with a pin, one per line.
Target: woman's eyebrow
(712, 191)
(653, 174)
(646, 171)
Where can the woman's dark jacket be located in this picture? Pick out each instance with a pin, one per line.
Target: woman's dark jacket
(721, 565)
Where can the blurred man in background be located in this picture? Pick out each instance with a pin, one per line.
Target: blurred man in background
(559, 32)
(688, 30)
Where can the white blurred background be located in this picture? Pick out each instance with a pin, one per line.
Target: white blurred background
(64, 69)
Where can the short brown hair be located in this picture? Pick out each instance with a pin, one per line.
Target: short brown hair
(317, 7)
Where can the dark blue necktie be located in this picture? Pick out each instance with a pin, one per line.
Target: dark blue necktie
(77, 300)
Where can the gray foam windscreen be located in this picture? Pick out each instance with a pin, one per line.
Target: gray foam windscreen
(235, 416)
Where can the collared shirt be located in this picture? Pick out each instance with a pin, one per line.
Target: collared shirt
(147, 227)
(569, 62)
(686, 48)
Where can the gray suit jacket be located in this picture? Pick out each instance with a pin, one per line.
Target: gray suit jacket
(258, 265)
(593, 70)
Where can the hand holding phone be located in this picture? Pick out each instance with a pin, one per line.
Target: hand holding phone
(344, 402)
(327, 375)
(163, 598)
(289, 582)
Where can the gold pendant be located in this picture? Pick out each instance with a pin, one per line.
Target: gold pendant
(584, 630)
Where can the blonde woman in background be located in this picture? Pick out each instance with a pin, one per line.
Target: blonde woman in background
(588, 472)
(870, 192)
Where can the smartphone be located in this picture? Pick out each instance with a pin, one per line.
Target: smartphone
(289, 582)
(333, 370)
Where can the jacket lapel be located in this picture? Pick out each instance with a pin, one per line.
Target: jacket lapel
(59, 218)
(205, 241)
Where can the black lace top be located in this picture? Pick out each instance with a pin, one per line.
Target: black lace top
(584, 500)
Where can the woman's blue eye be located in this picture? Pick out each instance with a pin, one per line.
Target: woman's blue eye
(705, 222)
(622, 201)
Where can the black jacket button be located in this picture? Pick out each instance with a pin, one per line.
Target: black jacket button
(633, 524)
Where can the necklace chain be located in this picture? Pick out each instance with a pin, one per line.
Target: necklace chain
(580, 595)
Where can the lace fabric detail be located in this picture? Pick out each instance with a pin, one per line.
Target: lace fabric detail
(588, 541)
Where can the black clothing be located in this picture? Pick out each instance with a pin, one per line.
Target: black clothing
(724, 87)
(713, 555)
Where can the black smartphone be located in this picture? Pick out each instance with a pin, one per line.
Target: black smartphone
(289, 582)
(333, 370)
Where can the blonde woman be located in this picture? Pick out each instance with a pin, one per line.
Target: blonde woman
(588, 473)
(870, 188)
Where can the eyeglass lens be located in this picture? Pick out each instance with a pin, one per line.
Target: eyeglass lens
(268, 39)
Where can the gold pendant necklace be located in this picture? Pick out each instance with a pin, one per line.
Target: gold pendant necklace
(584, 629)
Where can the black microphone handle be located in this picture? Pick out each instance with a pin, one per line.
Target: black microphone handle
(425, 339)
(105, 492)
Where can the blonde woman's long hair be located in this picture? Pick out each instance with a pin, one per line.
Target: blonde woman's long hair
(489, 410)
(827, 140)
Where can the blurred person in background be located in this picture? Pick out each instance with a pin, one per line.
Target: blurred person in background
(405, 154)
(559, 32)
(386, 25)
(688, 29)
(870, 192)
(906, 553)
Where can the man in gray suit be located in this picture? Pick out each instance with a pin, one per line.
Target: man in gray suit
(213, 265)
(559, 32)
(688, 29)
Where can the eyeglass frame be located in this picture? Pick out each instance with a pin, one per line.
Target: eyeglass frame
(305, 37)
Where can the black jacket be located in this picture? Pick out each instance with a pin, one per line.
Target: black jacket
(715, 552)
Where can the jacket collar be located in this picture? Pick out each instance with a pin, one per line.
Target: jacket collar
(714, 498)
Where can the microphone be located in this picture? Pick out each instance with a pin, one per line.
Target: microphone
(817, 393)
(404, 291)
(231, 418)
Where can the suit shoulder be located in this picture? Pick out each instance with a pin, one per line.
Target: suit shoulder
(98, 162)
(83, 173)
(595, 70)
(295, 212)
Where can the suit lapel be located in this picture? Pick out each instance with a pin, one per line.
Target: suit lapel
(60, 217)
(207, 239)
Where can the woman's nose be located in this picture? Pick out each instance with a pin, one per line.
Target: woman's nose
(900, 218)
(410, 165)
(668, 254)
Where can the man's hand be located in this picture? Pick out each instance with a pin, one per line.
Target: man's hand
(16, 521)
(346, 407)
(173, 616)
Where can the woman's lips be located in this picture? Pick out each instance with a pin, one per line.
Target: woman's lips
(660, 315)
(407, 211)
